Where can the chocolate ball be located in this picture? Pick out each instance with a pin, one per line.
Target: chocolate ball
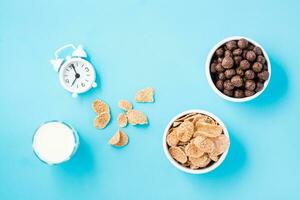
(239, 68)
(243, 43)
(250, 47)
(231, 45)
(251, 56)
(249, 93)
(227, 62)
(264, 75)
(249, 74)
(257, 50)
(259, 86)
(220, 52)
(244, 53)
(219, 84)
(239, 71)
(213, 68)
(228, 85)
(239, 93)
(245, 64)
(237, 52)
(219, 68)
(261, 59)
(228, 53)
(228, 92)
(237, 60)
(250, 85)
(229, 73)
(221, 76)
(257, 67)
(237, 81)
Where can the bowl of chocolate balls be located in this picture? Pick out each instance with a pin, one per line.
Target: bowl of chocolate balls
(238, 69)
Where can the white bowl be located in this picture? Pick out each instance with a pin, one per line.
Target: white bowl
(185, 169)
(210, 81)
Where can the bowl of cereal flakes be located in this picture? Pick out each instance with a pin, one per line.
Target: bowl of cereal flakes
(196, 141)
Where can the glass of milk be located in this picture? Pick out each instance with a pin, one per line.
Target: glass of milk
(55, 142)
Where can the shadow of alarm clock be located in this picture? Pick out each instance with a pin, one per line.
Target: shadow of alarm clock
(76, 74)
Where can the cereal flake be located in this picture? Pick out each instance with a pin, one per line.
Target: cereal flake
(122, 120)
(178, 154)
(100, 106)
(145, 95)
(185, 131)
(136, 117)
(102, 120)
(125, 105)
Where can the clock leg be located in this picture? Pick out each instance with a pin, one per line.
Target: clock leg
(74, 95)
(94, 85)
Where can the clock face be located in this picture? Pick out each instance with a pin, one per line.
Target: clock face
(77, 75)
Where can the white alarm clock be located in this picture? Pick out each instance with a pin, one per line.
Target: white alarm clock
(76, 74)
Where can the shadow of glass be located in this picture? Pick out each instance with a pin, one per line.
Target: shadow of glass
(82, 164)
(277, 89)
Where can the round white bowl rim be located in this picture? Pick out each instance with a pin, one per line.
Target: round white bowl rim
(195, 171)
(212, 85)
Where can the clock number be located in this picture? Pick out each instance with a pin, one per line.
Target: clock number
(82, 84)
(86, 69)
(67, 81)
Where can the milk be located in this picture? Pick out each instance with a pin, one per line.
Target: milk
(55, 142)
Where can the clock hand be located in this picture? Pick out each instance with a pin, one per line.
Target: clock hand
(76, 77)
(74, 81)
(74, 69)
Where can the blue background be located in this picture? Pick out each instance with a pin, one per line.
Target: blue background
(134, 44)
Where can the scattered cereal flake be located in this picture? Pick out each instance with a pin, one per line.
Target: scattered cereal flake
(192, 150)
(207, 145)
(125, 105)
(178, 154)
(136, 117)
(202, 161)
(145, 95)
(102, 120)
(120, 139)
(115, 139)
(185, 131)
(122, 120)
(123, 139)
(209, 130)
(221, 144)
(100, 106)
(172, 139)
